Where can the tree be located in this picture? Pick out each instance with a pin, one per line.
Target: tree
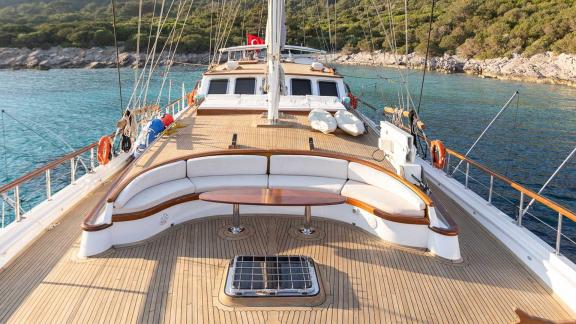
(103, 37)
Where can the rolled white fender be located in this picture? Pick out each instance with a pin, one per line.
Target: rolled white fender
(349, 123)
(322, 121)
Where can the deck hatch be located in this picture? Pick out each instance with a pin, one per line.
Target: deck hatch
(266, 276)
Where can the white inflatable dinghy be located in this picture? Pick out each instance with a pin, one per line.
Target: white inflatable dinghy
(322, 121)
(349, 123)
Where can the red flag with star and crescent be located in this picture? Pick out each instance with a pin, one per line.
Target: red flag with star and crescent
(255, 40)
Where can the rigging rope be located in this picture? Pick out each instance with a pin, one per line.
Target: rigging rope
(171, 60)
(508, 155)
(152, 68)
(158, 30)
(211, 28)
(117, 55)
(4, 146)
(395, 54)
(138, 43)
(406, 29)
(426, 57)
(43, 137)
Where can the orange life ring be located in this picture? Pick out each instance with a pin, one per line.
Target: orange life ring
(438, 153)
(104, 149)
(192, 98)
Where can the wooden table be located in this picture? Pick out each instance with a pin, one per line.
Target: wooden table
(272, 197)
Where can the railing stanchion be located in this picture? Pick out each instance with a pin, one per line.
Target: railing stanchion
(448, 164)
(521, 209)
(48, 185)
(92, 160)
(467, 172)
(559, 234)
(17, 203)
(490, 188)
(72, 171)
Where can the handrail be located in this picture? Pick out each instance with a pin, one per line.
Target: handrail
(47, 166)
(176, 105)
(530, 193)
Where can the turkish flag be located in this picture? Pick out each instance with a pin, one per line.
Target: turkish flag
(255, 40)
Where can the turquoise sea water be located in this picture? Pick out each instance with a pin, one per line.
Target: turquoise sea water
(526, 144)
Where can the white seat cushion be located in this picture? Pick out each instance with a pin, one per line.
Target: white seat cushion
(161, 174)
(362, 173)
(204, 184)
(222, 165)
(303, 165)
(306, 183)
(386, 200)
(157, 194)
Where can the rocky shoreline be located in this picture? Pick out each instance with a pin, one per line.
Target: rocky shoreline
(93, 58)
(546, 68)
(541, 68)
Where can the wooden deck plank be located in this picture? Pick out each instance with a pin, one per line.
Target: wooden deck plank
(206, 133)
(173, 277)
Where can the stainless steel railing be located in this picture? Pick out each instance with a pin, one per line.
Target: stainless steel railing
(22, 194)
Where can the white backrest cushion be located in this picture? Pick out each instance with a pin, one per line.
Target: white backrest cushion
(222, 165)
(306, 165)
(161, 174)
(363, 173)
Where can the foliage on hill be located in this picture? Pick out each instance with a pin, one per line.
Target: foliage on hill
(472, 28)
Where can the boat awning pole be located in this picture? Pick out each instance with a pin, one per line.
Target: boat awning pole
(486, 129)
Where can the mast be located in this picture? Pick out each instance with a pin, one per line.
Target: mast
(275, 41)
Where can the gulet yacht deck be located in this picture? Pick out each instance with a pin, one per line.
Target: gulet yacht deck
(201, 133)
(177, 275)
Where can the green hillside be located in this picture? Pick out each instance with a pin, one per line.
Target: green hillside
(473, 28)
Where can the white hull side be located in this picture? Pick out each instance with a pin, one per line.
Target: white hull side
(18, 235)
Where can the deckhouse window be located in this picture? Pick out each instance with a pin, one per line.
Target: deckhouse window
(301, 87)
(328, 88)
(218, 86)
(245, 86)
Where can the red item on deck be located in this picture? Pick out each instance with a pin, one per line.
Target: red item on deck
(167, 120)
(255, 40)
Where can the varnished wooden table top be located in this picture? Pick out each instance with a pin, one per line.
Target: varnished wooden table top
(273, 197)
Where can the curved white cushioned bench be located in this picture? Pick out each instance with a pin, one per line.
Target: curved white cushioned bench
(154, 187)
(379, 202)
(308, 173)
(228, 172)
(382, 191)
(317, 173)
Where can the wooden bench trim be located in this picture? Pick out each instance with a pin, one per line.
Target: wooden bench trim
(158, 208)
(384, 215)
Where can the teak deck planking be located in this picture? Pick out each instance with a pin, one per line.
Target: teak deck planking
(204, 133)
(176, 276)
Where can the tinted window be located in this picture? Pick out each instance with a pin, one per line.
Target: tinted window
(328, 89)
(301, 87)
(245, 86)
(218, 86)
